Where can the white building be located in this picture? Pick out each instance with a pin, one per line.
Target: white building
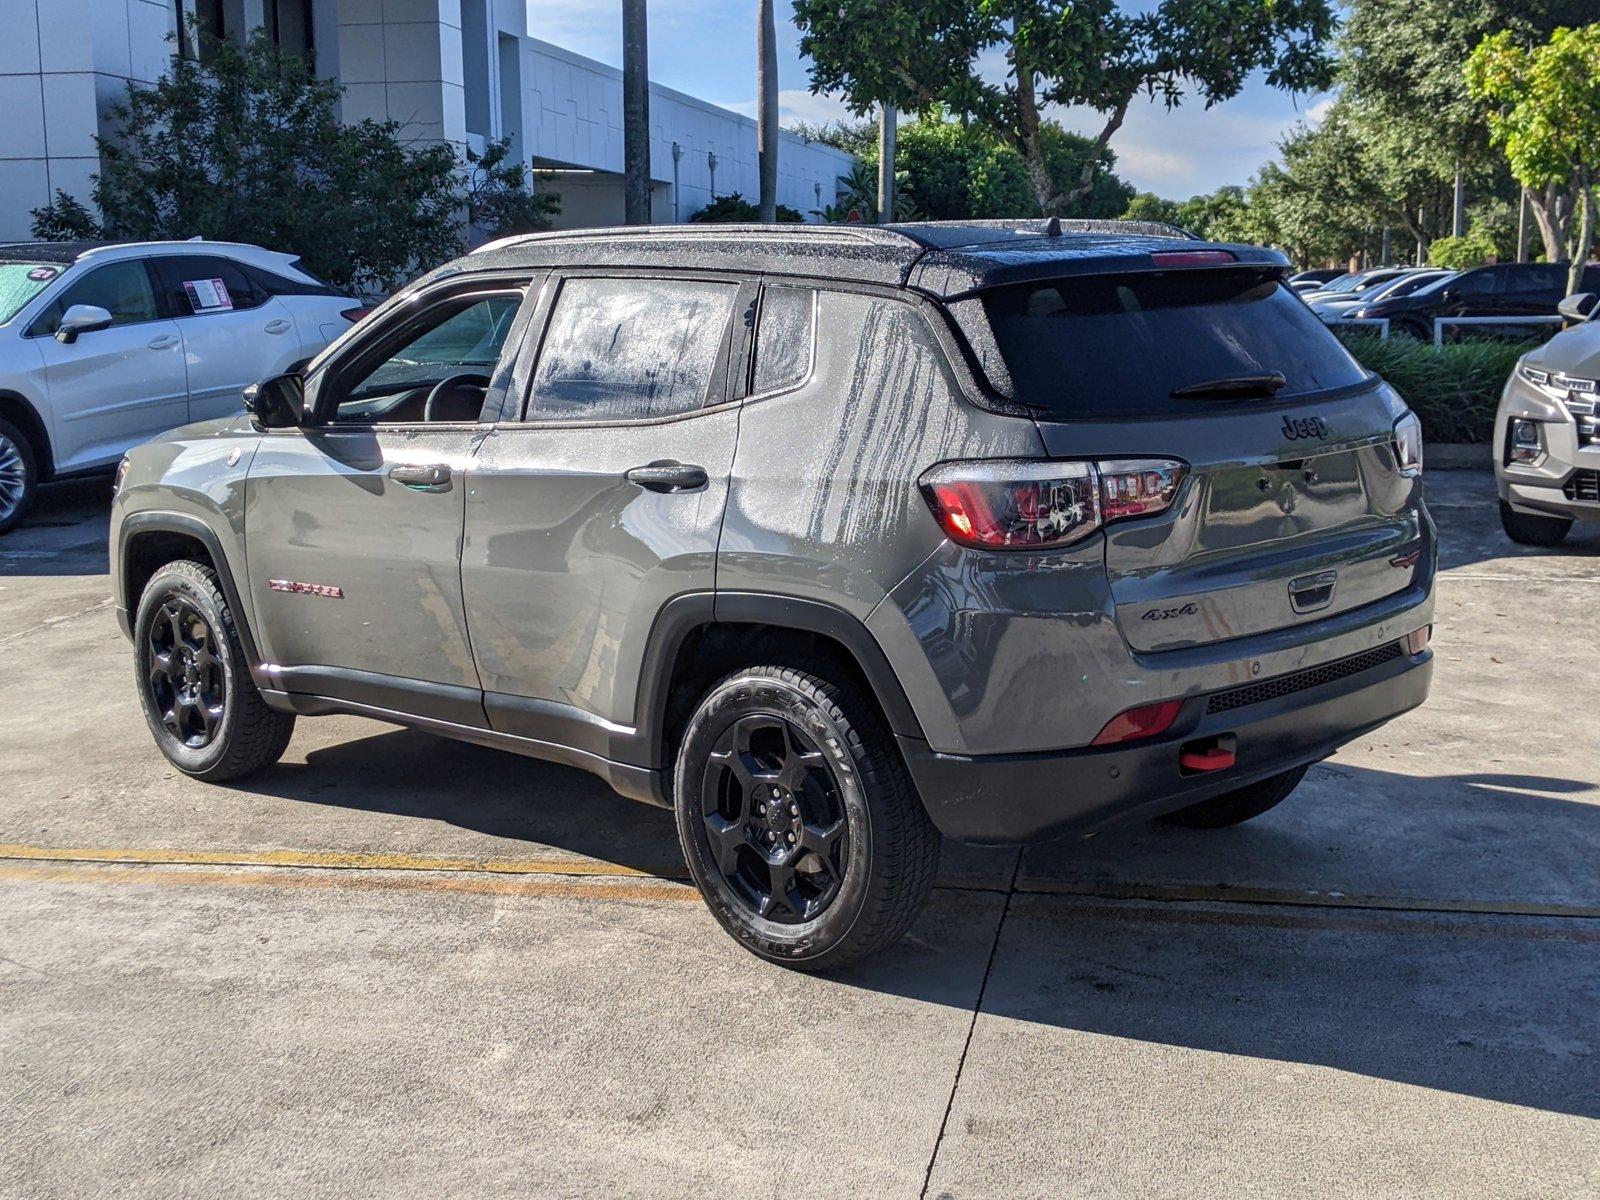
(463, 71)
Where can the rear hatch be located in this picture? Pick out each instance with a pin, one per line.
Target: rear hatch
(1295, 507)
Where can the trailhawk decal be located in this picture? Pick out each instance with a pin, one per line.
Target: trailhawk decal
(325, 590)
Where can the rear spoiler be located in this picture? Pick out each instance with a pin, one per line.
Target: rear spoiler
(955, 275)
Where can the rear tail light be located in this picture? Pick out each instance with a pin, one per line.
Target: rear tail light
(355, 314)
(1408, 444)
(1146, 721)
(1192, 258)
(1011, 504)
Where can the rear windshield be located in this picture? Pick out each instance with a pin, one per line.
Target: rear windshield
(1119, 345)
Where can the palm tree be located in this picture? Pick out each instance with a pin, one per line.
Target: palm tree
(635, 114)
(767, 109)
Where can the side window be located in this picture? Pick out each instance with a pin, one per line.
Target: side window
(784, 338)
(205, 284)
(1538, 279)
(1476, 283)
(630, 349)
(455, 344)
(121, 288)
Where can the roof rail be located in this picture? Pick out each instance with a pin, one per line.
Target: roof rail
(877, 234)
(1050, 227)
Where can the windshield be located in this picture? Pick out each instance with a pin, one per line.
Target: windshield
(1347, 283)
(21, 282)
(1407, 285)
(1120, 345)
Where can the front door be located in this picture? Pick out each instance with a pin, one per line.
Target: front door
(353, 524)
(115, 387)
(603, 501)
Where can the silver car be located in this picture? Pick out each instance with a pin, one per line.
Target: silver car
(834, 540)
(1547, 432)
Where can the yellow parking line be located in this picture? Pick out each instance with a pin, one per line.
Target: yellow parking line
(432, 880)
(326, 860)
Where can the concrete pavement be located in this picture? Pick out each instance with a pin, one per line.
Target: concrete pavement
(396, 963)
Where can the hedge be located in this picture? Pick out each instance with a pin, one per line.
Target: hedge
(1454, 388)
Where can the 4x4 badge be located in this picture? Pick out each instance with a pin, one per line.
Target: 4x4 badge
(1295, 428)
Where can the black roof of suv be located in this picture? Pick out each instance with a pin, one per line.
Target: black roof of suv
(945, 258)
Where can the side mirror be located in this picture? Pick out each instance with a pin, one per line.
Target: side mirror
(277, 403)
(1580, 306)
(81, 318)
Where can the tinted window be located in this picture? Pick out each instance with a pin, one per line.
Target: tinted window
(1118, 345)
(205, 285)
(783, 340)
(462, 337)
(630, 349)
(1537, 278)
(122, 289)
(1479, 283)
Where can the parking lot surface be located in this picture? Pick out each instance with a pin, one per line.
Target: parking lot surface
(396, 964)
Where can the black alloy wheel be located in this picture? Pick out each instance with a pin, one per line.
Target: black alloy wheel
(775, 819)
(185, 675)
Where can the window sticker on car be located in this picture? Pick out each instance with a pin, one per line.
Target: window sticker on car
(208, 295)
(43, 274)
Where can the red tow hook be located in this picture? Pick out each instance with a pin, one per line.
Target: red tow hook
(1211, 754)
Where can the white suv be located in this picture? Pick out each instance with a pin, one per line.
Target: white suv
(103, 346)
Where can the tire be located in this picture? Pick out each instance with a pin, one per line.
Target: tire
(19, 476)
(1413, 328)
(202, 707)
(1528, 529)
(1240, 805)
(864, 853)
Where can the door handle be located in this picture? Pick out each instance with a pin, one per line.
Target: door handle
(277, 326)
(668, 476)
(165, 342)
(433, 477)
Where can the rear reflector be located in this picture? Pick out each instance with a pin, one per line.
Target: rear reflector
(1208, 758)
(1146, 721)
(1192, 258)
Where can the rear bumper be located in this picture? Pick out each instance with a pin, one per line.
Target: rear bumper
(1026, 797)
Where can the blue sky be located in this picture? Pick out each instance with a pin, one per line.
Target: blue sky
(707, 48)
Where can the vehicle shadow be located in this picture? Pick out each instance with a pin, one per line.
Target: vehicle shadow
(1466, 507)
(65, 534)
(1481, 1004)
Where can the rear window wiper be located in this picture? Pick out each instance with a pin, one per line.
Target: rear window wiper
(1234, 387)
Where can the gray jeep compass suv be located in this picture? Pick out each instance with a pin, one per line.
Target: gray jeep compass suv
(833, 539)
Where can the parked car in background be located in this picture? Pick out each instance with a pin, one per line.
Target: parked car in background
(103, 345)
(1332, 310)
(1354, 284)
(833, 539)
(1505, 290)
(1547, 432)
(1315, 278)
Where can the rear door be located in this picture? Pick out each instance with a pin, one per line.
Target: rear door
(234, 333)
(600, 496)
(1294, 508)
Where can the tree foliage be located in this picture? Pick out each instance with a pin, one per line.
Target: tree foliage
(246, 146)
(923, 55)
(736, 209)
(1543, 108)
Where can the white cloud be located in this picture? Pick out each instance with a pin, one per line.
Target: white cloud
(1318, 112)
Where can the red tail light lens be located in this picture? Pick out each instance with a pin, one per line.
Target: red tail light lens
(1146, 721)
(1008, 504)
(355, 314)
(1193, 258)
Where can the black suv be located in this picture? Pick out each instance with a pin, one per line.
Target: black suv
(1503, 290)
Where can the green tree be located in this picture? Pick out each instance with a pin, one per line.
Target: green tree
(245, 146)
(736, 209)
(1147, 206)
(1543, 108)
(1459, 253)
(926, 54)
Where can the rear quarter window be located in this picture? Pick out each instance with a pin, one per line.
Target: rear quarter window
(1109, 346)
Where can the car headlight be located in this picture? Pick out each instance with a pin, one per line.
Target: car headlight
(122, 473)
(1532, 374)
(1527, 440)
(1408, 444)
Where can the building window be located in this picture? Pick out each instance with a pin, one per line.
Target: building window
(200, 22)
(288, 24)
